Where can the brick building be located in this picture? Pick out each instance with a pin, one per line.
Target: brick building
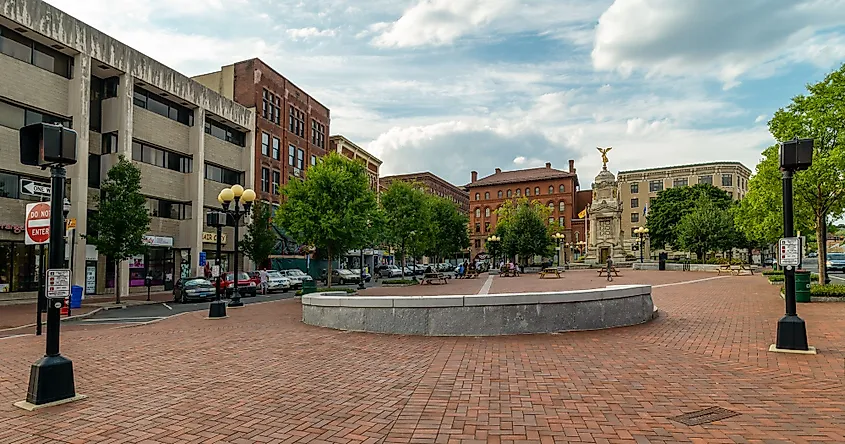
(433, 185)
(291, 127)
(349, 149)
(556, 188)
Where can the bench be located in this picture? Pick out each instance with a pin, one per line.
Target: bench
(550, 271)
(471, 274)
(506, 271)
(604, 271)
(431, 278)
(735, 269)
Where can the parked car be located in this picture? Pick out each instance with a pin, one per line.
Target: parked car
(193, 289)
(277, 282)
(444, 267)
(836, 262)
(297, 277)
(246, 286)
(367, 276)
(813, 254)
(343, 276)
(388, 271)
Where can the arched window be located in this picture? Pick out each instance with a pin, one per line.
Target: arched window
(562, 206)
(551, 220)
(509, 193)
(487, 212)
(477, 196)
(518, 192)
(561, 221)
(551, 189)
(562, 188)
(528, 191)
(500, 194)
(486, 195)
(478, 212)
(552, 206)
(536, 191)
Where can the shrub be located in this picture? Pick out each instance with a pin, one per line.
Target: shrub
(399, 282)
(771, 272)
(831, 290)
(776, 277)
(322, 289)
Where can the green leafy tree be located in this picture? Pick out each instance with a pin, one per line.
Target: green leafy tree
(405, 209)
(672, 204)
(330, 208)
(707, 227)
(819, 192)
(447, 228)
(522, 226)
(122, 218)
(260, 239)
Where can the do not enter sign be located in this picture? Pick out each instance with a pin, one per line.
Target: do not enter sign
(37, 224)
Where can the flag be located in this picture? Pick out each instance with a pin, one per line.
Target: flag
(645, 210)
(583, 213)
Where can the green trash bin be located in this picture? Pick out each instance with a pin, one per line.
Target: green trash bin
(802, 286)
(309, 287)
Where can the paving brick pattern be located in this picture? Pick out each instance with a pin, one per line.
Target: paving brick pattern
(263, 376)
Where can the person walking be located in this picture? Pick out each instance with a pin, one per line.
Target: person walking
(265, 280)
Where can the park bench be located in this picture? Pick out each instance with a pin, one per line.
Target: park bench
(550, 271)
(604, 271)
(735, 269)
(506, 271)
(471, 274)
(430, 278)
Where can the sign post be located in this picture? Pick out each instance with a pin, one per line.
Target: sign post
(37, 232)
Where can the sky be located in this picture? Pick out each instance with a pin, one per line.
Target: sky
(451, 86)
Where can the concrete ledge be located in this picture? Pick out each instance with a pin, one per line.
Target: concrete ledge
(810, 350)
(31, 407)
(482, 315)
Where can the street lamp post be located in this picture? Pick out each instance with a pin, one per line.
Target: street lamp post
(641, 232)
(559, 237)
(495, 241)
(243, 199)
(217, 309)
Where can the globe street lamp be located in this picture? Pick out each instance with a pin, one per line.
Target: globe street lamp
(581, 247)
(641, 231)
(243, 199)
(559, 237)
(495, 241)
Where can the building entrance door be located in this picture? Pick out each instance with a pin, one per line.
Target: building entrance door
(604, 253)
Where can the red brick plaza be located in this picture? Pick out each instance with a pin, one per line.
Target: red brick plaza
(263, 376)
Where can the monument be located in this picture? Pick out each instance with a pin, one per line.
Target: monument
(604, 218)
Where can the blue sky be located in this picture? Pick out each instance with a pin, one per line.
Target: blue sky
(452, 86)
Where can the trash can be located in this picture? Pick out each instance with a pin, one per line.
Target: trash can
(661, 264)
(75, 296)
(802, 286)
(309, 287)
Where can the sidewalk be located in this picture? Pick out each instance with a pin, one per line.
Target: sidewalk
(12, 316)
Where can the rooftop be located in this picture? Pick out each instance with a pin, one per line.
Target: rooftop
(427, 174)
(526, 175)
(691, 165)
(342, 138)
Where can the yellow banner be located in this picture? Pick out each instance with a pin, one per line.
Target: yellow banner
(211, 238)
(583, 213)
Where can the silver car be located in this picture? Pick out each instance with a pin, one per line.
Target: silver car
(297, 277)
(277, 282)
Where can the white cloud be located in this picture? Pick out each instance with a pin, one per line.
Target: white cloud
(760, 118)
(305, 33)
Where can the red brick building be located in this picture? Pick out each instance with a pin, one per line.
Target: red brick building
(433, 185)
(556, 188)
(292, 128)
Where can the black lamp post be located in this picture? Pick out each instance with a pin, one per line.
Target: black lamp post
(559, 237)
(243, 199)
(217, 309)
(494, 240)
(641, 232)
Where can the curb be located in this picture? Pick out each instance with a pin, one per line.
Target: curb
(69, 318)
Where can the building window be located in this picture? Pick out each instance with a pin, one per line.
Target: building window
(271, 107)
(681, 182)
(655, 186)
(635, 188)
(486, 227)
(478, 212)
(223, 175)
(551, 220)
(635, 217)
(518, 192)
(536, 191)
(291, 155)
(551, 189)
(486, 195)
(727, 180)
(265, 144)
(500, 194)
(313, 160)
(510, 193)
(487, 212)
(478, 227)
(161, 158)
(16, 117)
(10, 187)
(561, 188)
(635, 203)
(163, 107)
(561, 221)
(296, 122)
(318, 134)
(551, 206)
(562, 206)
(477, 196)
(277, 179)
(527, 192)
(168, 209)
(706, 179)
(265, 180)
(478, 243)
(300, 159)
(277, 148)
(93, 171)
(15, 45)
(109, 143)
(223, 132)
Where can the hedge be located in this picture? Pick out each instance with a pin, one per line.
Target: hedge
(830, 290)
(776, 277)
(771, 272)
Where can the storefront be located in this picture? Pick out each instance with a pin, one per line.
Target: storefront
(209, 241)
(158, 262)
(20, 265)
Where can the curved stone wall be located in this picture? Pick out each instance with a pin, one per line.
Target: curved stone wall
(482, 315)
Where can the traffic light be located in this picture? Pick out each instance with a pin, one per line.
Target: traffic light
(43, 144)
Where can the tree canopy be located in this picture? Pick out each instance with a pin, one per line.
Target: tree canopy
(259, 240)
(447, 229)
(522, 226)
(671, 205)
(706, 227)
(406, 216)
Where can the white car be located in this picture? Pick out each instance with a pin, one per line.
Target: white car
(297, 277)
(277, 282)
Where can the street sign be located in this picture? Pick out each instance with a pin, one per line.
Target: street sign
(202, 258)
(58, 283)
(789, 252)
(215, 271)
(37, 226)
(70, 223)
(33, 188)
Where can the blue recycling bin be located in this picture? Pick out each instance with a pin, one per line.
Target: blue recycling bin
(76, 296)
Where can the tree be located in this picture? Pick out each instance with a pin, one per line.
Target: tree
(405, 212)
(672, 204)
(705, 228)
(447, 228)
(122, 218)
(330, 208)
(522, 227)
(819, 192)
(260, 239)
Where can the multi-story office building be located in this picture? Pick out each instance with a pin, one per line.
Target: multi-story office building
(188, 141)
(556, 188)
(432, 184)
(349, 149)
(638, 187)
(291, 127)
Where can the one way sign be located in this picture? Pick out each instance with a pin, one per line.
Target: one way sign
(34, 188)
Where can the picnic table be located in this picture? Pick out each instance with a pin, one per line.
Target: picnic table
(471, 273)
(605, 271)
(735, 269)
(506, 271)
(431, 278)
(550, 271)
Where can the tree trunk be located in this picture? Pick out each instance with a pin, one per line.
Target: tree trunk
(117, 285)
(403, 260)
(329, 270)
(821, 239)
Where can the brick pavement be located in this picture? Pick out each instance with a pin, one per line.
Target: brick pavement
(16, 315)
(263, 376)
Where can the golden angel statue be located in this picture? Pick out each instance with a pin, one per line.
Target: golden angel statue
(603, 152)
